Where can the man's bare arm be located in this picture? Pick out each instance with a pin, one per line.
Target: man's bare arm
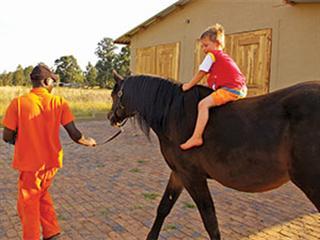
(77, 136)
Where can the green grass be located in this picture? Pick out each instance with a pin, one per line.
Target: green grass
(141, 161)
(169, 227)
(134, 170)
(62, 217)
(105, 212)
(100, 165)
(84, 103)
(150, 196)
(137, 206)
(188, 205)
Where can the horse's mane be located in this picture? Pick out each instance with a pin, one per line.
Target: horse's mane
(154, 98)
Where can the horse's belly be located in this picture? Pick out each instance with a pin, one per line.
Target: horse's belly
(252, 179)
(252, 186)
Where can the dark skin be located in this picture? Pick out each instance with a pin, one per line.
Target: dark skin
(74, 133)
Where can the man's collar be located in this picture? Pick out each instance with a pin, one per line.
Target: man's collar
(39, 90)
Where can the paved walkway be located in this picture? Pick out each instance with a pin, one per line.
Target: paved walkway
(112, 192)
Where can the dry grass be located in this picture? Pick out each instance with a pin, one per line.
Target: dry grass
(83, 102)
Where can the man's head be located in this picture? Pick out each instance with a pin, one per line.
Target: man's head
(42, 76)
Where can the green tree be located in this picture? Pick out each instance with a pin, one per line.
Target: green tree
(90, 75)
(105, 63)
(122, 61)
(18, 77)
(2, 77)
(27, 72)
(7, 79)
(68, 70)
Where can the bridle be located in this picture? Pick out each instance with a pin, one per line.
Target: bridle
(120, 105)
(120, 95)
(119, 125)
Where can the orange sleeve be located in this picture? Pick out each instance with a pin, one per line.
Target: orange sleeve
(10, 119)
(67, 115)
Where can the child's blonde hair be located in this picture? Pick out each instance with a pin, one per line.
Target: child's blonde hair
(215, 33)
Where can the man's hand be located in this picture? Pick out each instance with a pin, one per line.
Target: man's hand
(87, 141)
(9, 136)
(91, 142)
(186, 86)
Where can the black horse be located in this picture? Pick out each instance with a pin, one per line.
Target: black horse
(252, 145)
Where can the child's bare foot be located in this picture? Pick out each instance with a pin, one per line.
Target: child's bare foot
(192, 142)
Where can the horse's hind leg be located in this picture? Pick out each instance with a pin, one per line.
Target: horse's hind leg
(198, 189)
(305, 165)
(308, 182)
(170, 196)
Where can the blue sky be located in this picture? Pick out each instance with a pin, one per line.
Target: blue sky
(36, 31)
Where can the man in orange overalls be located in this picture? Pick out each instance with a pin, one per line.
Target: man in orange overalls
(32, 123)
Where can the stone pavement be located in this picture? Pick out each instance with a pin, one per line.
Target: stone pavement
(112, 192)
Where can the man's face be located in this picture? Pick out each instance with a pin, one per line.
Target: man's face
(50, 83)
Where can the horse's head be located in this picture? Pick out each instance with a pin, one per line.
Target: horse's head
(119, 112)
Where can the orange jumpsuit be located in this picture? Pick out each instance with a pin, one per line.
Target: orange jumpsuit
(37, 156)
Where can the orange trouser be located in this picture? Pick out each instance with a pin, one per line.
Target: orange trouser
(35, 206)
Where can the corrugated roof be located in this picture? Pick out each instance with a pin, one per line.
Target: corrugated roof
(126, 38)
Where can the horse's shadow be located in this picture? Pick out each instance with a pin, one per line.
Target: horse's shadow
(275, 214)
(284, 213)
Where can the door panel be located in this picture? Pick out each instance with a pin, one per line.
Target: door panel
(162, 60)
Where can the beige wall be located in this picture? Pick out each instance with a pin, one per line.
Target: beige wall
(295, 53)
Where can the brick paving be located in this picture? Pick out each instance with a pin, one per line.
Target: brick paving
(112, 192)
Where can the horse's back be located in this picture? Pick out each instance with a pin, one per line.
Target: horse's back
(251, 139)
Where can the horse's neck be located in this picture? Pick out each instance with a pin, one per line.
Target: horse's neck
(183, 114)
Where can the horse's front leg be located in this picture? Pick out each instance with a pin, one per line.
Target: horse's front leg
(197, 187)
(170, 196)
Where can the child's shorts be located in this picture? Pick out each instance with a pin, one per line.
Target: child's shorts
(224, 95)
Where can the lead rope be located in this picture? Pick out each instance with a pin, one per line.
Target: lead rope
(112, 137)
(121, 130)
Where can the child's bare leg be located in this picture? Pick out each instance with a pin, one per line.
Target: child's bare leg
(202, 119)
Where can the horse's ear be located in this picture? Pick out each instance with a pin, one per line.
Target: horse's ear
(116, 76)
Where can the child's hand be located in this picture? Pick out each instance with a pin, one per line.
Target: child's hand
(186, 87)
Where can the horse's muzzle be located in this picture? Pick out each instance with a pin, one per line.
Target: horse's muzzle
(112, 118)
(115, 121)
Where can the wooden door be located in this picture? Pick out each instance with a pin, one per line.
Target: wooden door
(252, 52)
(145, 60)
(162, 60)
(167, 60)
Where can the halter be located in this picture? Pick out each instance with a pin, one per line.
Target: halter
(120, 94)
